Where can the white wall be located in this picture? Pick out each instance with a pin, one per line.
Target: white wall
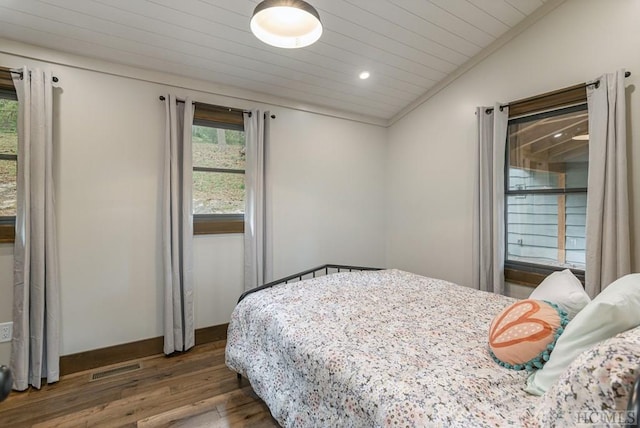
(431, 150)
(327, 186)
(332, 173)
(6, 293)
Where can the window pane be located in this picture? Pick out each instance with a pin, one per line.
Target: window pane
(549, 151)
(218, 148)
(218, 193)
(8, 188)
(576, 215)
(8, 125)
(547, 229)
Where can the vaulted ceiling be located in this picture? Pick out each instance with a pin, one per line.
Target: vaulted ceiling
(408, 46)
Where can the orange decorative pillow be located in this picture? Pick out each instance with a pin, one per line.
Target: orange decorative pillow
(523, 335)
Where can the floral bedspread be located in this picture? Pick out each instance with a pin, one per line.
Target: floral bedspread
(386, 348)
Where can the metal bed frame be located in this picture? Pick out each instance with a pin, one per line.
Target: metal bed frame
(301, 275)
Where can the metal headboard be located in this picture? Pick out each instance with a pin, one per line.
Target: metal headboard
(324, 269)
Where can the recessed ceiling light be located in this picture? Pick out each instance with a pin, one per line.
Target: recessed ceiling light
(558, 135)
(584, 137)
(364, 75)
(286, 23)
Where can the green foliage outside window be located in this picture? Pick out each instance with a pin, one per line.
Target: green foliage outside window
(8, 146)
(206, 134)
(218, 192)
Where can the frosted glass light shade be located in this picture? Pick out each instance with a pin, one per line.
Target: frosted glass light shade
(286, 23)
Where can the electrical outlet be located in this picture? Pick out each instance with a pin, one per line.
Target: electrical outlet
(6, 330)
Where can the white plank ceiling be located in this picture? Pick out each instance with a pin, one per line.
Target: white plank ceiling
(408, 46)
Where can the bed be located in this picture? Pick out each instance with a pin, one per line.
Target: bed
(376, 348)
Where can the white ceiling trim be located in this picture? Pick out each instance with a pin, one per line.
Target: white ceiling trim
(538, 14)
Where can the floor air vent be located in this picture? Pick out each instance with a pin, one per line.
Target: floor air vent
(115, 371)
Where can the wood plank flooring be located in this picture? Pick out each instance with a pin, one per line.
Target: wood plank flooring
(190, 390)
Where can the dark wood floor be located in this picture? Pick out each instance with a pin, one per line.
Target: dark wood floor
(194, 389)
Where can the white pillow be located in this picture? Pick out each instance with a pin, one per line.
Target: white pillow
(614, 310)
(563, 289)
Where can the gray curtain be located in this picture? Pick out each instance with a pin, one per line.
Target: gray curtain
(35, 349)
(257, 265)
(608, 252)
(488, 210)
(177, 227)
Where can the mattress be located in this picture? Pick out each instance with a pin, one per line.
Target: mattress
(382, 348)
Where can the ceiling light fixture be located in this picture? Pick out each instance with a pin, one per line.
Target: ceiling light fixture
(286, 23)
(584, 137)
(364, 75)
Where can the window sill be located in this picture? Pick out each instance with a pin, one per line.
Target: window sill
(217, 226)
(7, 233)
(206, 226)
(521, 277)
(532, 275)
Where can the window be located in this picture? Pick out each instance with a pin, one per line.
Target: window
(546, 191)
(8, 156)
(218, 145)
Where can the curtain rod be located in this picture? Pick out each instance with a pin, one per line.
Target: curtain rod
(54, 78)
(586, 85)
(273, 116)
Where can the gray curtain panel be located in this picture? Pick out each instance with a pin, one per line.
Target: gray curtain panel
(177, 227)
(608, 252)
(35, 349)
(257, 266)
(488, 213)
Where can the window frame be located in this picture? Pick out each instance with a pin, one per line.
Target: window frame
(221, 118)
(550, 103)
(7, 91)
